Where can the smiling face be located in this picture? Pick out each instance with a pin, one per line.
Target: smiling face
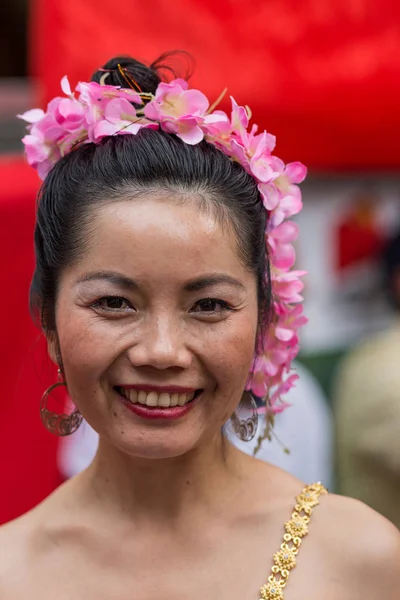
(156, 325)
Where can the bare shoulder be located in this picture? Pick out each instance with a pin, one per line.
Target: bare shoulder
(12, 535)
(25, 544)
(14, 543)
(360, 544)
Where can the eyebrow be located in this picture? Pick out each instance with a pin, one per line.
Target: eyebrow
(111, 277)
(209, 280)
(192, 286)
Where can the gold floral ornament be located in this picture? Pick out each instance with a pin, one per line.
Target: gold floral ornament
(285, 559)
(272, 591)
(306, 501)
(296, 528)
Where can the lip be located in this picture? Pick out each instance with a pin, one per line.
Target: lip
(170, 413)
(168, 389)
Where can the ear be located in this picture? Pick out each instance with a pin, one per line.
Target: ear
(53, 347)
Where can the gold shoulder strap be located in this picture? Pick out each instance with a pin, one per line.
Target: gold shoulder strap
(296, 529)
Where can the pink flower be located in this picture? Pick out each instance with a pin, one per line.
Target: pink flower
(179, 110)
(286, 207)
(288, 286)
(186, 128)
(291, 319)
(239, 118)
(94, 99)
(279, 242)
(53, 133)
(290, 202)
(217, 128)
(119, 117)
(94, 94)
(41, 144)
(39, 154)
(67, 112)
(270, 195)
(254, 154)
(263, 165)
(275, 400)
(296, 172)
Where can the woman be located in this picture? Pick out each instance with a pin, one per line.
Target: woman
(153, 283)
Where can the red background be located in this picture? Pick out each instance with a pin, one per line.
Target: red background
(323, 76)
(27, 452)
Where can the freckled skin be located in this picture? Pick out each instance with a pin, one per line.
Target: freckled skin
(162, 245)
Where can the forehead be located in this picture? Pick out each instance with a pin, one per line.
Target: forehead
(161, 237)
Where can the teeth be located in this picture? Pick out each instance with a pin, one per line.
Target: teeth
(132, 395)
(152, 399)
(163, 400)
(182, 399)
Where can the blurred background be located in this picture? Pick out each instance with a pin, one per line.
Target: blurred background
(324, 77)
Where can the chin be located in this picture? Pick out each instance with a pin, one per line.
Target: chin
(153, 446)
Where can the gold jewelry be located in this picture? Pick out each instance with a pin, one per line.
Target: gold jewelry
(246, 429)
(59, 424)
(296, 529)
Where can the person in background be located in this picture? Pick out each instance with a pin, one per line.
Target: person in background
(367, 406)
(305, 429)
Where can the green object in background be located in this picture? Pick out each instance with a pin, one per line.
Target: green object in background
(324, 366)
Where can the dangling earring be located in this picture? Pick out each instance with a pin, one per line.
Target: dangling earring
(58, 424)
(246, 429)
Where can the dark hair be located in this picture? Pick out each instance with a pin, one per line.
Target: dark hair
(127, 166)
(391, 269)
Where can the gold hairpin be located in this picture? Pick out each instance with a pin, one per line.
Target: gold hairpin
(129, 79)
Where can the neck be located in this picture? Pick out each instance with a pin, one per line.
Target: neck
(203, 479)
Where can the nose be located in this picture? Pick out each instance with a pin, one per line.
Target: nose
(161, 346)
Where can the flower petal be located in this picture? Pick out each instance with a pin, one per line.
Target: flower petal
(296, 172)
(191, 136)
(65, 86)
(32, 116)
(119, 110)
(270, 195)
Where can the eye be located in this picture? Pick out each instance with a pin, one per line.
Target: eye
(211, 305)
(113, 304)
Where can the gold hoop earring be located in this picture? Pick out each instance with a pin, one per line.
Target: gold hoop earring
(246, 429)
(59, 424)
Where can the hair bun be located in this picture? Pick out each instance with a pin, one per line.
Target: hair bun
(146, 77)
(168, 66)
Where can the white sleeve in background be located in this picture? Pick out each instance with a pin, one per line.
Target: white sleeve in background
(76, 452)
(305, 428)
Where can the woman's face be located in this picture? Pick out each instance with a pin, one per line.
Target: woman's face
(156, 326)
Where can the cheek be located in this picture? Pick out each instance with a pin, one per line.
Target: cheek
(85, 347)
(231, 352)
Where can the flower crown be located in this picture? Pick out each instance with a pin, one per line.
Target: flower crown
(95, 111)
